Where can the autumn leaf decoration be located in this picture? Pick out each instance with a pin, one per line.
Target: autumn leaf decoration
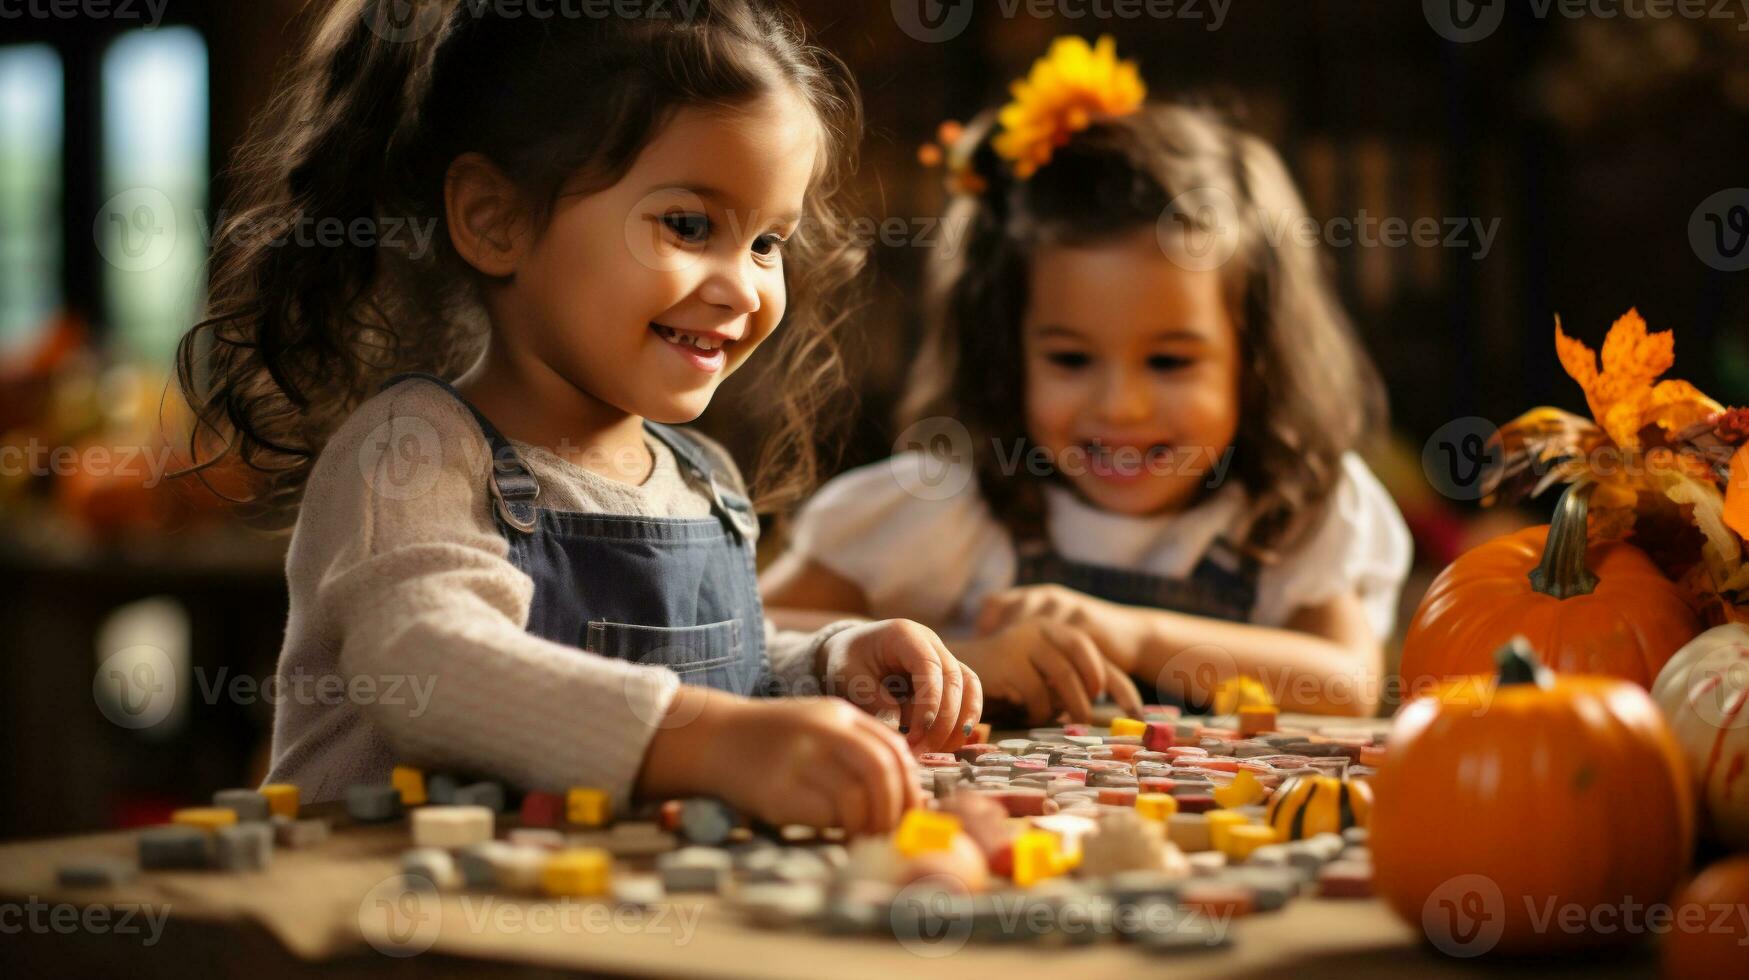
(1671, 465)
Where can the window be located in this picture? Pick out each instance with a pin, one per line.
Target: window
(152, 228)
(32, 105)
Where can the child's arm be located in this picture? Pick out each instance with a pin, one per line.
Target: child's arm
(1325, 660)
(406, 590)
(1045, 669)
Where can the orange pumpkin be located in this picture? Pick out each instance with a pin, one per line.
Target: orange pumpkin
(1590, 610)
(1506, 801)
(1708, 938)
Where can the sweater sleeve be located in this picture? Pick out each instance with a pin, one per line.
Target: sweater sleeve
(416, 578)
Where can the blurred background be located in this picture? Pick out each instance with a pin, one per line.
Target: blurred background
(1587, 164)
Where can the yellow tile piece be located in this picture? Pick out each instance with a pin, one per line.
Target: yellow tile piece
(1128, 726)
(1244, 790)
(1243, 691)
(1036, 858)
(1156, 806)
(581, 872)
(1243, 839)
(411, 784)
(588, 807)
(282, 799)
(923, 831)
(207, 818)
(1221, 821)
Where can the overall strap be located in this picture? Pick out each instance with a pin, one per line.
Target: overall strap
(513, 486)
(706, 469)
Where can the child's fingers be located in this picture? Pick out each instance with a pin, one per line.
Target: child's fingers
(1033, 691)
(856, 806)
(971, 706)
(917, 655)
(895, 760)
(947, 713)
(997, 612)
(1064, 683)
(813, 804)
(1123, 690)
(1081, 652)
(867, 769)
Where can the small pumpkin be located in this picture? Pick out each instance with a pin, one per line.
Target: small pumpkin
(1305, 806)
(1590, 610)
(1704, 691)
(1503, 799)
(1708, 938)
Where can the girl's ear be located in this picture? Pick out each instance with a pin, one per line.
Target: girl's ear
(488, 219)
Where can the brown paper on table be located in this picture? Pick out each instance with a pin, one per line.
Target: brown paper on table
(320, 904)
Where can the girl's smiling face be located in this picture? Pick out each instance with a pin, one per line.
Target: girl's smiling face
(1132, 372)
(646, 294)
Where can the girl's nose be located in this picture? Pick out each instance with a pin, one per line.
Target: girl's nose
(730, 285)
(1125, 398)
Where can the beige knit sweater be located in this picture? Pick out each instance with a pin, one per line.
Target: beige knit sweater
(406, 644)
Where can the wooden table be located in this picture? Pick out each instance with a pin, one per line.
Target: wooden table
(327, 910)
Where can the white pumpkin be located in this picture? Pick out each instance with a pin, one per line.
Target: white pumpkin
(1703, 690)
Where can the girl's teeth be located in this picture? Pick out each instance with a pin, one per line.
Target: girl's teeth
(675, 336)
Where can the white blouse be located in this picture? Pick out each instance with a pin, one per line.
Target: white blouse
(921, 549)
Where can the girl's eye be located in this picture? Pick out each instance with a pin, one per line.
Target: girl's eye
(1068, 359)
(690, 228)
(1167, 362)
(767, 244)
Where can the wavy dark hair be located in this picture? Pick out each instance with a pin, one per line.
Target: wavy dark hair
(385, 95)
(1308, 391)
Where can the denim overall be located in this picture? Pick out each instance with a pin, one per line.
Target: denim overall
(1223, 585)
(678, 592)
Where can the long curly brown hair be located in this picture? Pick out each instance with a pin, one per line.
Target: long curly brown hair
(384, 96)
(1308, 391)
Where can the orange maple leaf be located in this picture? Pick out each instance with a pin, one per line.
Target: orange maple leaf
(1737, 494)
(1626, 396)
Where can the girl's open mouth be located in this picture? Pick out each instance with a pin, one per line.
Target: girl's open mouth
(1124, 463)
(703, 351)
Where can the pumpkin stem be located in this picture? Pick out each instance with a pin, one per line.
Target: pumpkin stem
(1562, 572)
(1518, 664)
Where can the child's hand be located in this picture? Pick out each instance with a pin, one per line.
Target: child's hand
(817, 761)
(945, 698)
(1049, 669)
(1115, 630)
(814, 761)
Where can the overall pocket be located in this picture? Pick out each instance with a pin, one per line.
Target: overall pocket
(704, 655)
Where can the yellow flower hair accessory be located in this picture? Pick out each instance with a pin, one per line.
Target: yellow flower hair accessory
(1066, 89)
